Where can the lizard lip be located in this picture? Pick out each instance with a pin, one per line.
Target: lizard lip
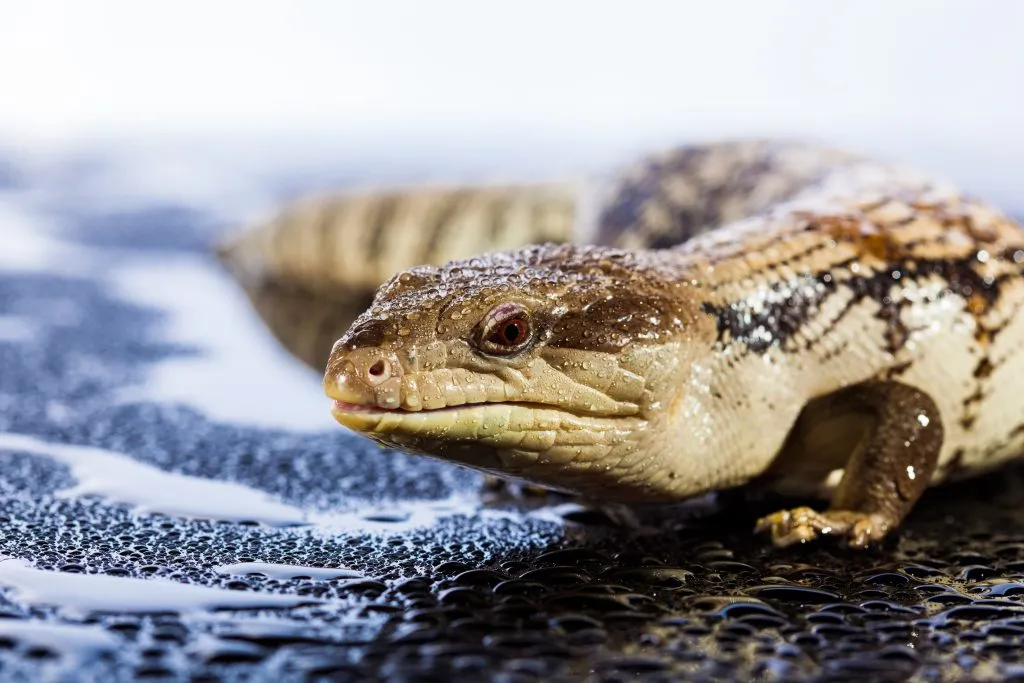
(358, 415)
(346, 407)
(367, 418)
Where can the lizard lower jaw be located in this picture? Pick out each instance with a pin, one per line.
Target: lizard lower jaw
(359, 417)
(544, 444)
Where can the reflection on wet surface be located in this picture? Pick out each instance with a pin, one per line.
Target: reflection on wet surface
(117, 478)
(287, 571)
(244, 377)
(80, 593)
(176, 503)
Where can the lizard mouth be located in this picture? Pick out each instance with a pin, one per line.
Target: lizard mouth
(346, 407)
(363, 417)
(345, 412)
(484, 422)
(474, 421)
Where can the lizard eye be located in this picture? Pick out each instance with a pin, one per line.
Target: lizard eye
(506, 330)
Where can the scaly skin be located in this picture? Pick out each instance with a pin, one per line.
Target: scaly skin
(857, 334)
(313, 268)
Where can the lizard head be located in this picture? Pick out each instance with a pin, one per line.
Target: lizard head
(549, 363)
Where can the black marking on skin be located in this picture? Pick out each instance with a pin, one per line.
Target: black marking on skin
(761, 327)
(835, 352)
(982, 371)
(963, 279)
(1013, 255)
(898, 370)
(669, 240)
(984, 368)
(366, 333)
(879, 203)
(976, 397)
(623, 214)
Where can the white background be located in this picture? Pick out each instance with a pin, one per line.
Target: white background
(938, 83)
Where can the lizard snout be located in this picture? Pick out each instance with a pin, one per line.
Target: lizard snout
(364, 377)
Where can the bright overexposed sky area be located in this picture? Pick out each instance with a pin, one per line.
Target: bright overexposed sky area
(939, 83)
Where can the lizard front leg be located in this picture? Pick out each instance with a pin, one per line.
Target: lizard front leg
(883, 478)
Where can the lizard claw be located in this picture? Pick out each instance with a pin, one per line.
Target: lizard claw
(804, 524)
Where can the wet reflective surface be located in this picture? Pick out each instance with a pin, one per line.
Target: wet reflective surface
(177, 503)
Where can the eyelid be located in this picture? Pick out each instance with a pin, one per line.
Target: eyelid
(500, 315)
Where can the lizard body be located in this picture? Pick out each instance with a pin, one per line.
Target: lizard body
(804, 318)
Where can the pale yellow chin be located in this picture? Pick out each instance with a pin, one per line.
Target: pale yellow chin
(538, 443)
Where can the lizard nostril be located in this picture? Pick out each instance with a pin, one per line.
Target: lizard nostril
(379, 371)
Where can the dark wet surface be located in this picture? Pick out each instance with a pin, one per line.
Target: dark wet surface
(498, 591)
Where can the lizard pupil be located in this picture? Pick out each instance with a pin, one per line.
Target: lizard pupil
(511, 332)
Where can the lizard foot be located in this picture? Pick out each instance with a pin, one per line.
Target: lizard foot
(803, 524)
